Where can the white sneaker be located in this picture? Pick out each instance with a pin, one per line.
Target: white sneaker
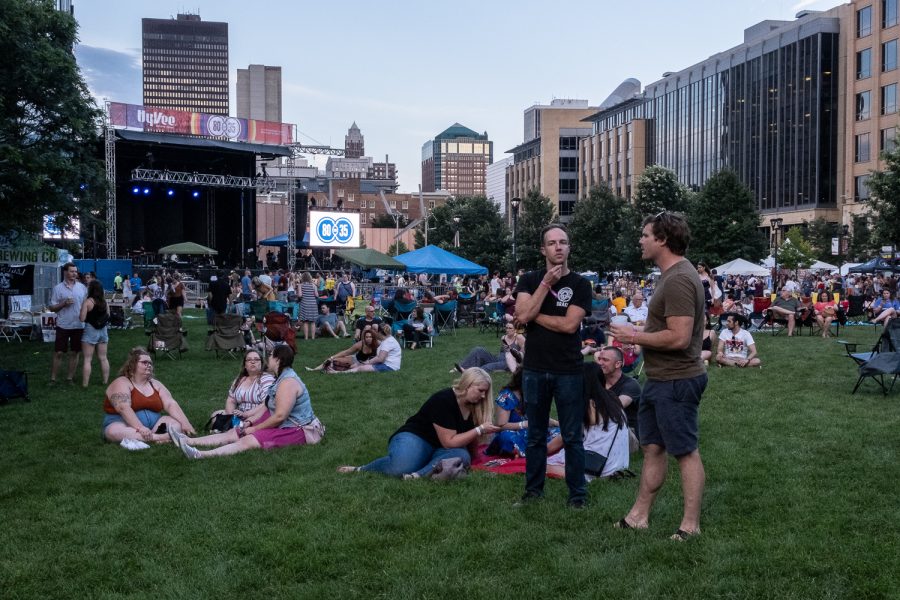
(130, 444)
(175, 435)
(190, 451)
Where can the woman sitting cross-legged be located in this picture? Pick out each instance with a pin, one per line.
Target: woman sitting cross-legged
(605, 429)
(512, 351)
(250, 388)
(389, 354)
(443, 428)
(135, 401)
(355, 355)
(279, 422)
(510, 418)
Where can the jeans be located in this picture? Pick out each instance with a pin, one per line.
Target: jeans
(408, 453)
(480, 357)
(539, 389)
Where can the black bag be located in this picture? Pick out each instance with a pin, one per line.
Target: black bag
(594, 461)
(220, 423)
(13, 384)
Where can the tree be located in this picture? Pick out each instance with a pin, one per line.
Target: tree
(861, 246)
(49, 125)
(819, 233)
(884, 200)
(483, 235)
(658, 189)
(398, 247)
(795, 252)
(386, 221)
(594, 230)
(724, 222)
(535, 213)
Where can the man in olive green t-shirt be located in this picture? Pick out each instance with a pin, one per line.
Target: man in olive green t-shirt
(786, 307)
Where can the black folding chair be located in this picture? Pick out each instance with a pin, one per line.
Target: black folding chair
(883, 363)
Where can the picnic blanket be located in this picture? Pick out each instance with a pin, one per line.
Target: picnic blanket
(500, 465)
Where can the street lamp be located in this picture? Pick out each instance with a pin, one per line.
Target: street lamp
(776, 226)
(456, 232)
(514, 205)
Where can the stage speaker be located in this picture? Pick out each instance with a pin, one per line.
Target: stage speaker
(301, 218)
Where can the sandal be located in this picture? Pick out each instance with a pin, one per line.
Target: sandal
(682, 536)
(623, 524)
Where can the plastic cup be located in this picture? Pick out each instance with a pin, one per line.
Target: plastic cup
(619, 320)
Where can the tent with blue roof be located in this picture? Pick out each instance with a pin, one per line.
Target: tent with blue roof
(432, 259)
(281, 240)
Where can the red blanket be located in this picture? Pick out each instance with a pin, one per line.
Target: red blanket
(495, 464)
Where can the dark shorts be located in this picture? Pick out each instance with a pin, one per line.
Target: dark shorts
(68, 339)
(175, 302)
(669, 414)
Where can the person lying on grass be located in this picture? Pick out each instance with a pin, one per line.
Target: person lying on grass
(279, 422)
(353, 356)
(135, 401)
(443, 428)
(249, 390)
(605, 429)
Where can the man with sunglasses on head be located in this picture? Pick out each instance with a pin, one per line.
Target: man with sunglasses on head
(552, 302)
(668, 417)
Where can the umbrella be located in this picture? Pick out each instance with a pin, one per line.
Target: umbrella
(187, 248)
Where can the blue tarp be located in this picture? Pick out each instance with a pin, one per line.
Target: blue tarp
(432, 259)
(281, 240)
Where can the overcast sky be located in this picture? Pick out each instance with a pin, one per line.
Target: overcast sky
(407, 70)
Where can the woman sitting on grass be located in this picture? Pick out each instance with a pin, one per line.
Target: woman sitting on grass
(510, 418)
(389, 354)
(250, 388)
(353, 356)
(279, 422)
(605, 428)
(134, 403)
(443, 428)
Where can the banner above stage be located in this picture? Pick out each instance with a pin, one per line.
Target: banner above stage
(164, 120)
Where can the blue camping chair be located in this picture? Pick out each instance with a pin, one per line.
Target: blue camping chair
(445, 316)
(402, 310)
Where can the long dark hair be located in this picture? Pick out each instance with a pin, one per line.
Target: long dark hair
(95, 293)
(515, 385)
(599, 401)
(285, 357)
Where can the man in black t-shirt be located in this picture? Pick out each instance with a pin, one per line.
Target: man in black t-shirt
(625, 388)
(552, 302)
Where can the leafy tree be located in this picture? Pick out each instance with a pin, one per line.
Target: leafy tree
(819, 233)
(398, 247)
(49, 125)
(385, 221)
(658, 189)
(861, 246)
(628, 249)
(724, 222)
(884, 201)
(535, 213)
(483, 235)
(795, 252)
(595, 228)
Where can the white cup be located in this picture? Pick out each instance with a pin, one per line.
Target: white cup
(619, 320)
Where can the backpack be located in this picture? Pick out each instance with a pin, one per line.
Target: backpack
(13, 384)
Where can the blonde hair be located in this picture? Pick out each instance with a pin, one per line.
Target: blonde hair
(483, 411)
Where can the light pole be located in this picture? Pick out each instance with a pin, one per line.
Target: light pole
(514, 205)
(776, 226)
(456, 232)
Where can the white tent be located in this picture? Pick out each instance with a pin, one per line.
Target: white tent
(768, 262)
(739, 266)
(845, 268)
(822, 266)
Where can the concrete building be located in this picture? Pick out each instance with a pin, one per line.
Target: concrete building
(547, 160)
(354, 143)
(455, 161)
(259, 93)
(185, 64)
(870, 35)
(496, 183)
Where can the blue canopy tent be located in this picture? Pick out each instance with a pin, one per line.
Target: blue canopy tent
(432, 259)
(281, 240)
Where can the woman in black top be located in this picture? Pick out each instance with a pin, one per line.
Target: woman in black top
(443, 428)
(95, 316)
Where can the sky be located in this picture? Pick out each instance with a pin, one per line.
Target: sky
(404, 71)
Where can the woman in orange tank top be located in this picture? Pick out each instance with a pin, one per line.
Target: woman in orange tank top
(135, 402)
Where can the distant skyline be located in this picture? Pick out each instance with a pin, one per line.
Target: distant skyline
(405, 71)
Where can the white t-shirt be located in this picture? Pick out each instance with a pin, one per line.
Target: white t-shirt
(791, 285)
(636, 314)
(597, 440)
(394, 353)
(736, 346)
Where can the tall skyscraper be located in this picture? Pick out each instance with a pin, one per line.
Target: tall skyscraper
(456, 161)
(259, 93)
(354, 143)
(186, 64)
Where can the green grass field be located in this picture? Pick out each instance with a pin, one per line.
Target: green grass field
(801, 497)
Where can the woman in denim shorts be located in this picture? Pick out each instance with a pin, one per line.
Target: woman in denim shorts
(95, 315)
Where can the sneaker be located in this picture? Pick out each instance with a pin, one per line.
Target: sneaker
(176, 436)
(189, 451)
(527, 499)
(577, 504)
(130, 444)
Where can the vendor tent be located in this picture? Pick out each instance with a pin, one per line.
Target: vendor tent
(822, 266)
(739, 266)
(876, 265)
(847, 267)
(281, 240)
(432, 259)
(369, 258)
(187, 248)
(768, 262)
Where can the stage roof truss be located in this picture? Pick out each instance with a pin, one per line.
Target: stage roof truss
(202, 179)
(301, 149)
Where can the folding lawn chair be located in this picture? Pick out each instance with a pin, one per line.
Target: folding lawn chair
(445, 316)
(167, 336)
(226, 335)
(883, 363)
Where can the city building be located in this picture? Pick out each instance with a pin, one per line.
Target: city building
(185, 64)
(547, 160)
(354, 143)
(259, 93)
(455, 161)
(870, 32)
(767, 109)
(496, 183)
(66, 6)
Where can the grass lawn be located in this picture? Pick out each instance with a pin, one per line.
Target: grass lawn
(801, 497)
